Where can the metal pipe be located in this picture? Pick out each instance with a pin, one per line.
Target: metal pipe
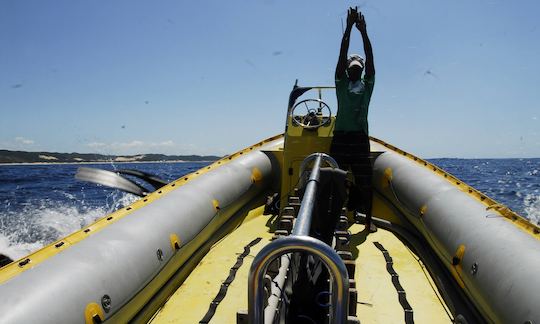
(303, 220)
(325, 158)
(338, 275)
(276, 291)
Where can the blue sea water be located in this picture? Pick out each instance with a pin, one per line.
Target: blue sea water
(42, 203)
(512, 182)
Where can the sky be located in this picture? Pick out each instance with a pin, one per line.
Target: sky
(453, 78)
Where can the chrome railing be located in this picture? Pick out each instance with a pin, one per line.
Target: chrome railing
(300, 241)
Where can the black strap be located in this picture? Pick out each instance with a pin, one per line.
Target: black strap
(402, 296)
(225, 285)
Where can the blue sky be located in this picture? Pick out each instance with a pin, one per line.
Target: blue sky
(454, 78)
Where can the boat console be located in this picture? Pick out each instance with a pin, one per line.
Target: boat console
(311, 262)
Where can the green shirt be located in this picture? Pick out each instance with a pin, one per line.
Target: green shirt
(353, 103)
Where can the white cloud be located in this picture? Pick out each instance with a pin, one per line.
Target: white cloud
(166, 143)
(141, 147)
(22, 140)
(96, 144)
(131, 144)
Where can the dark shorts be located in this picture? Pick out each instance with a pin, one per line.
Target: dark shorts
(351, 151)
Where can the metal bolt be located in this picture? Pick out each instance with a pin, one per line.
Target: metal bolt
(474, 268)
(106, 303)
(159, 254)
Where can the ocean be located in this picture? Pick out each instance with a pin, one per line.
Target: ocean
(41, 203)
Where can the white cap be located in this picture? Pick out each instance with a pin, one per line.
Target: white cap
(355, 59)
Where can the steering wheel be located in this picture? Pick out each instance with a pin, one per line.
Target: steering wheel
(318, 114)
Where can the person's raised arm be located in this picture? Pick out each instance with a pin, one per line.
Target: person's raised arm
(352, 16)
(361, 25)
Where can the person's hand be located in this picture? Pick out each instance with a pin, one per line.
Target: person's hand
(352, 16)
(361, 22)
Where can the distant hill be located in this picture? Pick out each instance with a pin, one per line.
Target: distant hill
(7, 156)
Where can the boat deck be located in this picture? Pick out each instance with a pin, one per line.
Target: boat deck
(378, 297)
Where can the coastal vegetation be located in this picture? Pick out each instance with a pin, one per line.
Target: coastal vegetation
(7, 156)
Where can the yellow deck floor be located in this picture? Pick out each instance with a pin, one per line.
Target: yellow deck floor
(190, 302)
(377, 297)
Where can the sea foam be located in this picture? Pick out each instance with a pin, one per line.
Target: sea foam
(532, 207)
(39, 224)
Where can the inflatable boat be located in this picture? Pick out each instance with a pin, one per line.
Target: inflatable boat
(262, 236)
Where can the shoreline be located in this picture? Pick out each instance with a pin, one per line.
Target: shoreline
(101, 162)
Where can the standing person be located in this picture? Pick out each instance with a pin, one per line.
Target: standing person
(350, 144)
